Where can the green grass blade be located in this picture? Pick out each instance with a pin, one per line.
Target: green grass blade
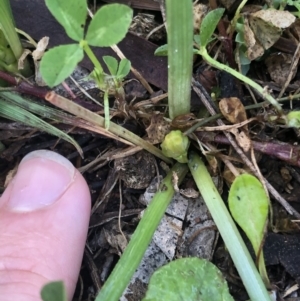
(133, 254)
(8, 28)
(180, 55)
(38, 109)
(228, 230)
(15, 113)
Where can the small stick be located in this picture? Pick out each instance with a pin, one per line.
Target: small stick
(292, 69)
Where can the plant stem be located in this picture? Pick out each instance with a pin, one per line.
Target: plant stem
(228, 230)
(7, 26)
(134, 252)
(106, 111)
(263, 271)
(264, 93)
(85, 46)
(180, 55)
(236, 16)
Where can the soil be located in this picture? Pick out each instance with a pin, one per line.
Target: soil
(119, 174)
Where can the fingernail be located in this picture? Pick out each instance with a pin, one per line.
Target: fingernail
(42, 178)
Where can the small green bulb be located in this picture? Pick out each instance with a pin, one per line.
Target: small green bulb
(293, 119)
(175, 145)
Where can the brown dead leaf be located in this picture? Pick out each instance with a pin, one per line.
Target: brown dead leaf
(267, 25)
(37, 54)
(183, 121)
(242, 139)
(116, 240)
(158, 128)
(278, 65)
(233, 110)
(200, 11)
(265, 33)
(278, 18)
(295, 29)
(213, 163)
(229, 177)
(189, 193)
(254, 48)
(285, 173)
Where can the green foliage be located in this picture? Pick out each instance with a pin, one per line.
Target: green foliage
(71, 15)
(111, 63)
(296, 4)
(14, 107)
(10, 45)
(8, 60)
(241, 48)
(179, 15)
(161, 50)
(209, 24)
(190, 279)
(249, 204)
(109, 25)
(176, 145)
(293, 119)
(120, 277)
(54, 291)
(117, 70)
(56, 70)
(234, 243)
(123, 69)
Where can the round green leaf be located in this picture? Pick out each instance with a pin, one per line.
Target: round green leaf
(162, 50)
(124, 68)
(209, 24)
(190, 279)
(249, 204)
(54, 291)
(109, 25)
(59, 62)
(111, 63)
(71, 15)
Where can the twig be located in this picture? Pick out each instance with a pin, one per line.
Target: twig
(292, 69)
(283, 151)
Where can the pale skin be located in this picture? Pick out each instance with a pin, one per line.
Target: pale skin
(44, 216)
